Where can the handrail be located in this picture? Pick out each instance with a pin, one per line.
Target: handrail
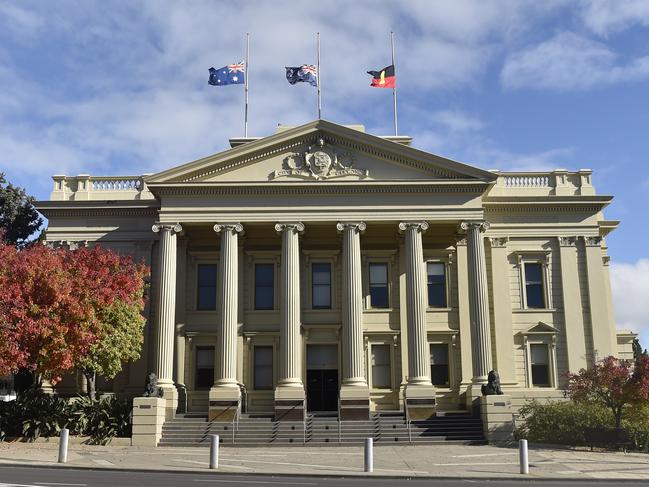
(304, 420)
(235, 421)
(407, 414)
(340, 440)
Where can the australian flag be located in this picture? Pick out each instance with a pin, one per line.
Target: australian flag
(232, 74)
(306, 72)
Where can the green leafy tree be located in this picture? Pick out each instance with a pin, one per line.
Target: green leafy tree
(638, 352)
(18, 217)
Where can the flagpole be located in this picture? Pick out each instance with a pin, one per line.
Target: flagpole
(246, 76)
(394, 89)
(319, 78)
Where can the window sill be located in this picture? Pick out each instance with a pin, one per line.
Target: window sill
(535, 310)
(431, 309)
(379, 310)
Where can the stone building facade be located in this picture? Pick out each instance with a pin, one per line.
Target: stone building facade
(329, 269)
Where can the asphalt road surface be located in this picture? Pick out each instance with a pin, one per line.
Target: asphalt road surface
(65, 477)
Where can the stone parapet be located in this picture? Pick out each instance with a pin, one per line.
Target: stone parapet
(149, 414)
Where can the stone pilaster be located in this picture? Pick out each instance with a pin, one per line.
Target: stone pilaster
(478, 303)
(289, 393)
(420, 393)
(354, 392)
(225, 394)
(166, 314)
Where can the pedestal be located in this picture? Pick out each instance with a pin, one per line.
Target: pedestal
(497, 419)
(170, 398)
(289, 403)
(224, 403)
(420, 402)
(354, 403)
(149, 414)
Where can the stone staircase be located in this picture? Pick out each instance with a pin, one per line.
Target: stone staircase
(383, 427)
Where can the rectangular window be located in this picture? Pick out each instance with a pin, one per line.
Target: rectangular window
(321, 285)
(204, 367)
(381, 375)
(540, 365)
(439, 364)
(436, 285)
(206, 287)
(379, 286)
(263, 368)
(534, 292)
(264, 280)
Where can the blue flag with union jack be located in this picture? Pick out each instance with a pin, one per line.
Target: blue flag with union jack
(232, 74)
(307, 73)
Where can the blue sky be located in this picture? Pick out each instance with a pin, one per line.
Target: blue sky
(120, 87)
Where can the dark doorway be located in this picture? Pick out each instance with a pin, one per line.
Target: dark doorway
(322, 390)
(322, 378)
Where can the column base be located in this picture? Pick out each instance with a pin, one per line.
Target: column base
(497, 419)
(289, 403)
(473, 396)
(420, 401)
(354, 403)
(224, 403)
(170, 397)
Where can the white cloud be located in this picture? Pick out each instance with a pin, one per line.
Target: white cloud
(605, 17)
(630, 283)
(570, 62)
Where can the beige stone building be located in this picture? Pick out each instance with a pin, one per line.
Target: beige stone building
(329, 269)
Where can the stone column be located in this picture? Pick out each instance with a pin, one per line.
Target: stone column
(420, 393)
(478, 304)
(289, 394)
(225, 394)
(166, 314)
(354, 392)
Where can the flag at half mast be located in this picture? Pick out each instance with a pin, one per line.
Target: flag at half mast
(232, 74)
(307, 73)
(384, 78)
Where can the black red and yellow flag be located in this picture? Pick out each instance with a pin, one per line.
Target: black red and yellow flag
(384, 78)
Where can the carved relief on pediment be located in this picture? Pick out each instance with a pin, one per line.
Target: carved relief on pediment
(320, 161)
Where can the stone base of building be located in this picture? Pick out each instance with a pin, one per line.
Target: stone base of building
(354, 403)
(289, 403)
(420, 402)
(170, 397)
(497, 419)
(149, 414)
(224, 403)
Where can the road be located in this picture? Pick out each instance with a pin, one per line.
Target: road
(64, 477)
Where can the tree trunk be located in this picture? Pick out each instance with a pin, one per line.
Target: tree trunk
(91, 380)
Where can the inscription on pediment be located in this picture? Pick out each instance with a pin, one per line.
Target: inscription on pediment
(320, 161)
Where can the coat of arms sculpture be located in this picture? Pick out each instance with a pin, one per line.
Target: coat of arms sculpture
(320, 161)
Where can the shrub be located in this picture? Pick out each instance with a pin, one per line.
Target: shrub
(34, 415)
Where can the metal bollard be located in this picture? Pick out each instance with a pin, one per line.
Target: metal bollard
(63, 446)
(523, 458)
(369, 455)
(214, 452)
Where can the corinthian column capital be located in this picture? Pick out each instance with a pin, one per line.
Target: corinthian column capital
(357, 226)
(173, 227)
(419, 226)
(480, 225)
(291, 226)
(228, 227)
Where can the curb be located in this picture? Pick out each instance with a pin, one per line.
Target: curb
(520, 477)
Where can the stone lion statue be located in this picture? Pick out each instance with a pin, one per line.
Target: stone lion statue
(492, 387)
(151, 388)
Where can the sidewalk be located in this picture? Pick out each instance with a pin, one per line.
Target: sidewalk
(455, 461)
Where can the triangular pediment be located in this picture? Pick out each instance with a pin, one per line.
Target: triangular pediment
(320, 151)
(540, 329)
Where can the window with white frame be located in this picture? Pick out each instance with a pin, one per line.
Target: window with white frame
(264, 286)
(378, 283)
(204, 372)
(206, 287)
(263, 367)
(436, 284)
(540, 365)
(439, 364)
(381, 367)
(321, 285)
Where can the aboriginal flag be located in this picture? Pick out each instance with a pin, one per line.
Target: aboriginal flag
(384, 78)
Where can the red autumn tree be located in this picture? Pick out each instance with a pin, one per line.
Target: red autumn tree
(54, 305)
(613, 383)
